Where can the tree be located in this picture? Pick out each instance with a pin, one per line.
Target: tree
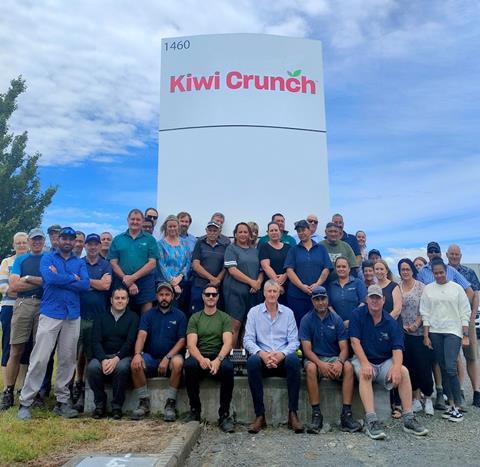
(21, 201)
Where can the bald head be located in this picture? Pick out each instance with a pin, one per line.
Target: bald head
(312, 220)
(454, 255)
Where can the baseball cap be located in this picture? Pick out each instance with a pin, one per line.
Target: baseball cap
(67, 232)
(54, 228)
(303, 224)
(433, 246)
(93, 237)
(36, 233)
(375, 289)
(374, 252)
(319, 291)
(213, 224)
(165, 285)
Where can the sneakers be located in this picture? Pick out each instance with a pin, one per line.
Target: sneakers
(317, 423)
(193, 416)
(77, 390)
(347, 423)
(24, 413)
(440, 401)
(143, 409)
(416, 406)
(374, 430)
(455, 415)
(169, 414)
(447, 413)
(476, 399)
(62, 409)
(412, 425)
(428, 406)
(7, 399)
(225, 422)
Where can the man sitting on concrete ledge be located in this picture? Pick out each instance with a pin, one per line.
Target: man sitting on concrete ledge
(158, 352)
(377, 341)
(209, 342)
(271, 339)
(113, 337)
(325, 347)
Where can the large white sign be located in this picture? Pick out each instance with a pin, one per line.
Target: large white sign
(242, 129)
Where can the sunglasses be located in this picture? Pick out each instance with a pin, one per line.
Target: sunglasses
(153, 218)
(312, 221)
(210, 294)
(433, 250)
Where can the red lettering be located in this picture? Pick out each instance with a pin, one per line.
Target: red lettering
(308, 82)
(176, 83)
(234, 80)
(292, 85)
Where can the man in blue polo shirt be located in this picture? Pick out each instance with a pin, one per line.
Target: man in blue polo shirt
(92, 303)
(158, 352)
(308, 266)
(64, 277)
(377, 341)
(325, 348)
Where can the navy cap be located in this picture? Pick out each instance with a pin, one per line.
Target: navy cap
(434, 246)
(319, 291)
(93, 238)
(67, 232)
(303, 224)
(374, 252)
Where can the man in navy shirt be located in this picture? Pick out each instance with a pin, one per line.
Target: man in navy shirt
(325, 348)
(337, 219)
(158, 352)
(377, 341)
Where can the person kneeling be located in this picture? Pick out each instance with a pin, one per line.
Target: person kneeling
(377, 341)
(112, 343)
(271, 339)
(209, 342)
(160, 341)
(325, 347)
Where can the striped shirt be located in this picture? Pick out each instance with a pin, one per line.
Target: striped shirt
(8, 299)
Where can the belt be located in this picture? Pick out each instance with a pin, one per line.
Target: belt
(30, 296)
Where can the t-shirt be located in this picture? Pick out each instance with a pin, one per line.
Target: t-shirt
(209, 329)
(277, 257)
(324, 334)
(245, 260)
(340, 249)
(93, 302)
(28, 265)
(377, 340)
(211, 259)
(163, 330)
(345, 299)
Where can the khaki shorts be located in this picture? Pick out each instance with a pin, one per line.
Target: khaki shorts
(24, 320)
(471, 352)
(323, 359)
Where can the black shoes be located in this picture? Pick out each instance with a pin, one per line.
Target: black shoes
(347, 423)
(225, 422)
(317, 423)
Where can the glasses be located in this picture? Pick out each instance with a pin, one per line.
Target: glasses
(311, 221)
(153, 218)
(210, 294)
(433, 250)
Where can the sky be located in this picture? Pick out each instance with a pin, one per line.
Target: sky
(401, 96)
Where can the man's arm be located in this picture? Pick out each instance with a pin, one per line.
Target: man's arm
(192, 340)
(292, 336)
(201, 271)
(137, 361)
(148, 267)
(83, 283)
(116, 268)
(50, 274)
(20, 284)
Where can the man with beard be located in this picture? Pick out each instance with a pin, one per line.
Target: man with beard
(158, 352)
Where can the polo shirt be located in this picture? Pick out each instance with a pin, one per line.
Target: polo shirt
(307, 264)
(324, 334)
(133, 253)
(285, 239)
(28, 265)
(211, 258)
(426, 276)
(345, 299)
(163, 330)
(352, 241)
(92, 301)
(378, 341)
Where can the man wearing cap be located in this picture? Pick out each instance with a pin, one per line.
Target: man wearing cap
(133, 255)
(207, 264)
(93, 302)
(113, 338)
(285, 238)
(337, 219)
(26, 281)
(271, 339)
(53, 232)
(308, 266)
(159, 352)
(64, 277)
(325, 348)
(377, 341)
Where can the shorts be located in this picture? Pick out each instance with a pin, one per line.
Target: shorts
(151, 365)
(380, 372)
(85, 343)
(146, 289)
(24, 320)
(471, 352)
(323, 359)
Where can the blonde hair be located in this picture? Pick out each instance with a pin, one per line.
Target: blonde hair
(169, 218)
(389, 272)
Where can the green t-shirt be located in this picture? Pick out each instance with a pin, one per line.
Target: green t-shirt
(210, 329)
(335, 251)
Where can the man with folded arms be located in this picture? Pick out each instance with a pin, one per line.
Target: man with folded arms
(271, 339)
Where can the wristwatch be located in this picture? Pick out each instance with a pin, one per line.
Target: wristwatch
(168, 356)
(221, 358)
(27, 277)
(465, 334)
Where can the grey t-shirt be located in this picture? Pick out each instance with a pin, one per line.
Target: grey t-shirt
(245, 260)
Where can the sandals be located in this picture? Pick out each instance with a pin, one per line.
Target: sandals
(396, 412)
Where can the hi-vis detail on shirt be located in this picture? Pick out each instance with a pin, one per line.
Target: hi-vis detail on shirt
(384, 336)
(293, 82)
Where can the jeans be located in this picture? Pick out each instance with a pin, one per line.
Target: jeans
(194, 373)
(290, 367)
(446, 348)
(120, 378)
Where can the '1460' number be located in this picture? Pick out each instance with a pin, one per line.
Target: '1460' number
(177, 45)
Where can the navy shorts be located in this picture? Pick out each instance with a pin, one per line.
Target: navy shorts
(151, 365)
(146, 289)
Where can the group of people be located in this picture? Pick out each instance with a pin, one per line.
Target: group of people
(127, 308)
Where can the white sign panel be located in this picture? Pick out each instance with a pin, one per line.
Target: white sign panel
(242, 129)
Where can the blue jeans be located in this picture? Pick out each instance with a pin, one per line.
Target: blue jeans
(290, 367)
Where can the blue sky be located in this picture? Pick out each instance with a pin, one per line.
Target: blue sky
(402, 100)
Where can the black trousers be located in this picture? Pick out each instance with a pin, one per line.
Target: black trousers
(419, 359)
(194, 374)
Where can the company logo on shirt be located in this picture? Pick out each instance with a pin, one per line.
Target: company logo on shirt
(330, 326)
(172, 322)
(292, 83)
(384, 336)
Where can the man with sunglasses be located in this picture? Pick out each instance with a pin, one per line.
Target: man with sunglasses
(64, 276)
(209, 342)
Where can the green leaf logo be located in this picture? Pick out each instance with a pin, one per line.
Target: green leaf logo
(295, 73)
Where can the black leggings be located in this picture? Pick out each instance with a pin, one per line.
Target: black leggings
(419, 359)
